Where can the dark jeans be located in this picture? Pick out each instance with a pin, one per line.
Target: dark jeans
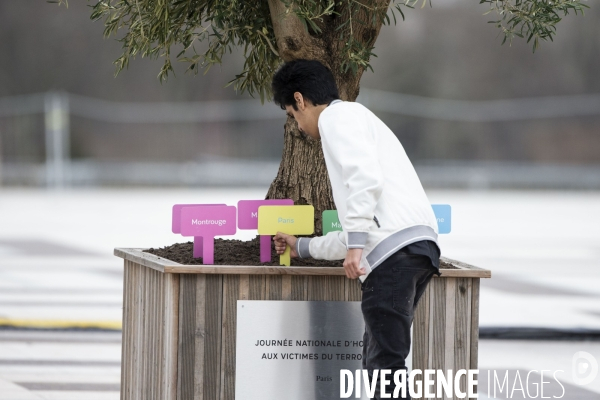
(389, 298)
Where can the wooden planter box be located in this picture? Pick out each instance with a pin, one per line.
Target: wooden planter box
(179, 321)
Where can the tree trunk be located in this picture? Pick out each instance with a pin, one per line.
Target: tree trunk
(302, 174)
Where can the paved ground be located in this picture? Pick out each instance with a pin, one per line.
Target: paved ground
(57, 269)
(543, 249)
(59, 365)
(85, 366)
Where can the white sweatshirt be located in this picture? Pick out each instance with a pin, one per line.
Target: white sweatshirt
(381, 203)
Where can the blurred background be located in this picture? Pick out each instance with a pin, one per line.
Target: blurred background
(90, 161)
(470, 112)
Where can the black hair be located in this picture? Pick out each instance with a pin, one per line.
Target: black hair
(309, 77)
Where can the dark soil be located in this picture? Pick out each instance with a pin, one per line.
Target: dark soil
(237, 252)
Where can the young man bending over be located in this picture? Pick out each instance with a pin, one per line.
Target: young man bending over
(389, 237)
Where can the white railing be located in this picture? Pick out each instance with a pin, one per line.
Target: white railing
(58, 107)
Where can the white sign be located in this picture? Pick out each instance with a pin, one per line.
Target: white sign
(294, 350)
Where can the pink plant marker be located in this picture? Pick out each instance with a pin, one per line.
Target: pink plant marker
(198, 246)
(248, 219)
(176, 225)
(207, 222)
(265, 248)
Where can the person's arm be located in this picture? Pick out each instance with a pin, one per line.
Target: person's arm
(328, 247)
(333, 247)
(350, 144)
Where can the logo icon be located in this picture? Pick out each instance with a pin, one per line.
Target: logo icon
(585, 368)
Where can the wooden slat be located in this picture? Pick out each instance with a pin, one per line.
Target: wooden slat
(160, 340)
(253, 270)
(228, 338)
(465, 266)
(326, 288)
(420, 346)
(199, 338)
(171, 325)
(131, 335)
(352, 289)
(187, 341)
(146, 352)
(244, 293)
(474, 353)
(145, 259)
(316, 288)
(131, 287)
(338, 287)
(158, 287)
(137, 336)
(146, 326)
(147, 319)
(469, 319)
(257, 287)
(286, 287)
(311, 271)
(347, 288)
(299, 288)
(154, 336)
(273, 287)
(212, 342)
(464, 273)
(450, 317)
(437, 323)
(125, 330)
(462, 328)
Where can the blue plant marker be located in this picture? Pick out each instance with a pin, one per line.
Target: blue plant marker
(443, 214)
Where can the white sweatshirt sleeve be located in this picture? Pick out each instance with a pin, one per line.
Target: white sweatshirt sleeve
(329, 247)
(347, 139)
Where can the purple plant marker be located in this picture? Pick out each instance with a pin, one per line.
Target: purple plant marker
(248, 219)
(176, 225)
(198, 246)
(176, 215)
(265, 248)
(208, 222)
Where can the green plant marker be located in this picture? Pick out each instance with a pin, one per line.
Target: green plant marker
(331, 221)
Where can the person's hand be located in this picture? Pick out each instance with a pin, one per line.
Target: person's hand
(282, 240)
(352, 264)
